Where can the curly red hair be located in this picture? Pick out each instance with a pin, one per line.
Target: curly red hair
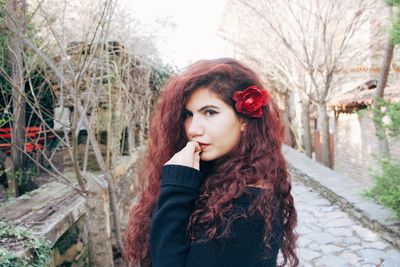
(257, 160)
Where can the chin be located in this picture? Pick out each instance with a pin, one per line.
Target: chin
(205, 157)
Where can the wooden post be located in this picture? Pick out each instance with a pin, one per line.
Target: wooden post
(12, 183)
(98, 222)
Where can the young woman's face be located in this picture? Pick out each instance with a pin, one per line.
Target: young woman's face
(212, 123)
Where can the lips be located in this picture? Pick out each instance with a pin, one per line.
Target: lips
(203, 145)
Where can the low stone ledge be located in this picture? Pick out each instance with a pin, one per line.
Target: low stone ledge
(47, 212)
(56, 212)
(344, 192)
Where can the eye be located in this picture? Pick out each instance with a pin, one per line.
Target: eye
(186, 114)
(210, 112)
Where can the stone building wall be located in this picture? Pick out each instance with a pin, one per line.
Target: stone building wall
(356, 146)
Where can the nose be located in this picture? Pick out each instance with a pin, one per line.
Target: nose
(194, 127)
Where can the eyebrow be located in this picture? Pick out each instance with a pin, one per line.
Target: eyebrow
(205, 107)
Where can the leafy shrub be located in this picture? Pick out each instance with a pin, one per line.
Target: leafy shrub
(39, 249)
(386, 188)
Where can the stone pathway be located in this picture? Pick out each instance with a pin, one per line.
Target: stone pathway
(329, 237)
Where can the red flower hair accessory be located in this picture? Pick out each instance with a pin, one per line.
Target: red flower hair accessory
(250, 101)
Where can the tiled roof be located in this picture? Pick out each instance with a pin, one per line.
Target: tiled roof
(362, 96)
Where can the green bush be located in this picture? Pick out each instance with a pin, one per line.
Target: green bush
(39, 249)
(386, 188)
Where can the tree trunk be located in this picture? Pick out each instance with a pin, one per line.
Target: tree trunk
(380, 89)
(385, 68)
(116, 130)
(108, 177)
(16, 11)
(305, 121)
(286, 121)
(98, 222)
(323, 123)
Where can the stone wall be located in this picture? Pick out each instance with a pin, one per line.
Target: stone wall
(356, 146)
(71, 248)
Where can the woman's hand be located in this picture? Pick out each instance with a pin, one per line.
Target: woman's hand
(188, 156)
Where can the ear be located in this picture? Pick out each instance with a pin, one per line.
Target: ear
(243, 125)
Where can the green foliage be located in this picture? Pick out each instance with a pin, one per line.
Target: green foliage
(387, 116)
(2, 22)
(39, 98)
(4, 66)
(39, 249)
(386, 189)
(159, 76)
(395, 30)
(393, 2)
(393, 112)
(5, 118)
(361, 113)
(22, 177)
(3, 49)
(37, 87)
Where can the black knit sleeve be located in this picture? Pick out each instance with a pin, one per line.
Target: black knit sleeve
(179, 190)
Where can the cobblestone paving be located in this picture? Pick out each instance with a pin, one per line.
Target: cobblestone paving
(329, 237)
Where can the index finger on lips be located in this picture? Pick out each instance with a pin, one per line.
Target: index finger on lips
(193, 146)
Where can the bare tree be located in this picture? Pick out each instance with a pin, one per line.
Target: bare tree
(16, 22)
(308, 44)
(100, 80)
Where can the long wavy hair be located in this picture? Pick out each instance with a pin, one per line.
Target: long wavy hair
(256, 160)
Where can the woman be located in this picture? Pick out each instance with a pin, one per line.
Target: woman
(216, 189)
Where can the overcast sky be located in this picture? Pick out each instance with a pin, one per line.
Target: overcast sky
(194, 37)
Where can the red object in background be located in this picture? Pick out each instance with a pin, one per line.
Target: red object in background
(318, 147)
(35, 137)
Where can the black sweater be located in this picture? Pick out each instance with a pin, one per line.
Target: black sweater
(168, 240)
